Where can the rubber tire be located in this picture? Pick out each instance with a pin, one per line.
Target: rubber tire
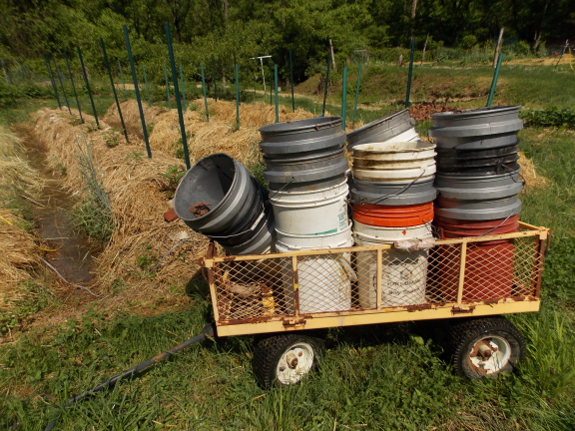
(269, 350)
(463, 336)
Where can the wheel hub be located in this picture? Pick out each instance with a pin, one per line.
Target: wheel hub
(294, 363)
(489, 355)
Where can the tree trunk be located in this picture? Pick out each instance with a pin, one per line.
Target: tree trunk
(424, 48)
(498, 47)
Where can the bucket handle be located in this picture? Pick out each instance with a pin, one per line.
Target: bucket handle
(280, 190)
(347, 268)
(393, 195)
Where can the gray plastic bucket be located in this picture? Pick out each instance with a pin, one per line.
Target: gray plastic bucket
(381, 129)
(476, 142)
(478, 187)
(393, 194)
(488, 209)
(261, 241)
(307, 171)
(476, 116)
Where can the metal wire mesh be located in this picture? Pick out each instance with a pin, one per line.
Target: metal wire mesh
(348, 280)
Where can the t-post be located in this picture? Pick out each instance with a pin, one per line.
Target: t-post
(261, 59)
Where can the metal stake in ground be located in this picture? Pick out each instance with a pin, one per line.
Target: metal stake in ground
(114, 89)
(177, 95)
(167, 87)
(122, 79)
(73, 86)
(326, 84)
(204, 91)
(276, 93)
(61, 83)
(214, 78)
(410, 72)
(357, 86)
(85, 75)
(136, 88)
(52, 81)
(147, 87)
(494, 82)
(236, 69)
(344, 98)
(183, 87)
(291, 83)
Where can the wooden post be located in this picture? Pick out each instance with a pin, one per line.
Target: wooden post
(424, 48)
(498, 47)
(332, 55)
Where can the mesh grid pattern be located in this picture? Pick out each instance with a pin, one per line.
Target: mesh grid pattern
(252, 290)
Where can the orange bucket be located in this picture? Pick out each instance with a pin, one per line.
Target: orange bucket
(393, 216)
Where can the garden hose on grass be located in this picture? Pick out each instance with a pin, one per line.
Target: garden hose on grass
(207, 331)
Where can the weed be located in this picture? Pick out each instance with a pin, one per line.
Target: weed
(135, 157)
(91, 127)
(149, 128)
(112, 137)
(172, 178)
(147, 258)
(34, 297)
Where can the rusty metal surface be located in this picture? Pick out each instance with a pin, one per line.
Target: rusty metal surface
(303, 289)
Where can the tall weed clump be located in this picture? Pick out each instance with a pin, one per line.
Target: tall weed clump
(93, 215)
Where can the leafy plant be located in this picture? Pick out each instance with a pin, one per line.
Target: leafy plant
(172, 178)
(112, 137)
(551, 117)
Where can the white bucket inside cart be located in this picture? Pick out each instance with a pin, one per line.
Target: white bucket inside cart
(403, 274)
(324, 281)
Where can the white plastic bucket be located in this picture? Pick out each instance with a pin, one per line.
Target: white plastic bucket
(407, 136)
(421, 173)
(311, 212)
(324, 282)
(404, 273)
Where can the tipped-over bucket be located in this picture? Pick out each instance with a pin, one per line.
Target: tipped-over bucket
(381, 129)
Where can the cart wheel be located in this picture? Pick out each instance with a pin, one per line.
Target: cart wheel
(486, 347)
(285, 359)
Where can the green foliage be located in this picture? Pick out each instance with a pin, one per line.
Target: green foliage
(551, 117)
(112, 137)
(172, 178)
(468, 41)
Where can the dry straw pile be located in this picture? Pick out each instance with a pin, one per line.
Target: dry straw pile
(19, 253)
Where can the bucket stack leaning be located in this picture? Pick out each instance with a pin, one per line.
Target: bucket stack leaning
(392, 194)
(478, 182)
(306, 171)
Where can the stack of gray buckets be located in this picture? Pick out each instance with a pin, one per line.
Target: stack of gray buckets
(392, 194)
(477, 163)
(220, 199)
(306, 171)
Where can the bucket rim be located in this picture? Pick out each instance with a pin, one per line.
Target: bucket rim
(306, 124)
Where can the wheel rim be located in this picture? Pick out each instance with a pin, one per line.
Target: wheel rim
(294, 363)
(489, 355)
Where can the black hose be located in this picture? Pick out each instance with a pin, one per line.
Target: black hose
(207, 331)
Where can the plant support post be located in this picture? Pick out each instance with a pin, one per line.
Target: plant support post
(344, 98)
(291, 81)
(61, 83)
(167, 87)
(276, 93)
(85, 75)
(326, 84)
(52, 81)
(237, 73)
(183, 88)
(205, 95)
(114, 89)
(135, 79)
(177, 95)
(495, 78)
(73, 86)
(410, 72)
(357, 87)
(147, 87)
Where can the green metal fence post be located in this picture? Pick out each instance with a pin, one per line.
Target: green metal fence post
(277, 100)
(494, 82)
(344, 98)
(291, 81)
(177, 95)
(137, 89)
(61, 83)
(147, 87)
(183, 88)
(205, 95)
(73, 85)
(326, 84)
(52, 80)
(214, 78)
(236, 69)
(85, 75)
(167, 87)
(114, 89)
(357, 92)
(410, 72)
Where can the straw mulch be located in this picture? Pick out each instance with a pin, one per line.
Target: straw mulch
(131, 113)
(134, 184)
(530, 176)
(19, 253)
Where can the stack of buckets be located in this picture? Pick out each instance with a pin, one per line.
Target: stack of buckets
(392, 194)
(478, 184)
(306, 171)
(220, 199)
